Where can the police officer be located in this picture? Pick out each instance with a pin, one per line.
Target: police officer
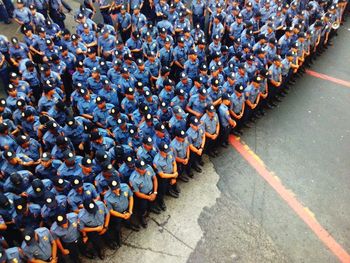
(237, 107)
(93, 223)
(65, 231)
(26, 214)
(80, 191)
(196, 138)
(252, 95)
(39, 245)
(210, 120)
(144, 183)
(226, 122)
(120, 203)
(124, 23)
(180, 146)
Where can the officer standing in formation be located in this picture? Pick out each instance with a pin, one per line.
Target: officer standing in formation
(102, 123)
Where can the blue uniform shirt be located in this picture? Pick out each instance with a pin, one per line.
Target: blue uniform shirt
(41, 249)
(143, 183)
(119, 203)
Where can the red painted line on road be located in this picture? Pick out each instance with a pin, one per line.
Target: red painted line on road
(329, 78)
(288, 197)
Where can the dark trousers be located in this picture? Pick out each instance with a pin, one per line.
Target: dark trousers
(43, 12)
(74, 250)
(4, 15)
(12, 235)
(239, 123)
(163, 188)
(224, 133)
(4, 76)
(210, 145)
(194, 159)
(96, 241)
(57, 17)
(181, 168)
(125, 35)
(115, 229)
(248, 113)
(141, 206)
(273, 90)
(199, 20)
(107, 19)
(9, 7)
(37, 92)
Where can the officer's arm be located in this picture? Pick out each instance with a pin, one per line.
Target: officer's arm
(60, 246)
(163, 175)
(91, 229)
(88, 116)
(3, 226)
(209, 27)
(18, 21)
(318, 40)
(155, 184)
(231, 121)
(234, 115)
(217, 102)
(2, 61)
(14, 62)
(107, 219)
(142, 195)
(32, 48)
(264, 95)
(250, 104)
(188, 153)
(179, 64)
(197, 114)
(217, 130)
(131, 204)
(181, 160)
(116, 213)
(54, 251)
(36, 261)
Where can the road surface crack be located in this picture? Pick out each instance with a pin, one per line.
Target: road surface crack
(149, 249)
(162, 225)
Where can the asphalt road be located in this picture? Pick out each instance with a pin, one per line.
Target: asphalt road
(305, 142)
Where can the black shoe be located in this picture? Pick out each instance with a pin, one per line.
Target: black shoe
(176, 188)
(155, 210)
(282, 94)
(143, 222)
(190, 174)
(268, 106)
(133, 227)
(162, 205)
(216, 152)
(257, 115)
(223, 145)
(112, 245)
(212, 154)
(184, 178)
(247, 125)
(200, 162)
(197, 169)
(89, 255)
(8, 22)
(173, 194)
(237, 133)
(101, 255)
(278, 99)
(262, 112)
(252, 120)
